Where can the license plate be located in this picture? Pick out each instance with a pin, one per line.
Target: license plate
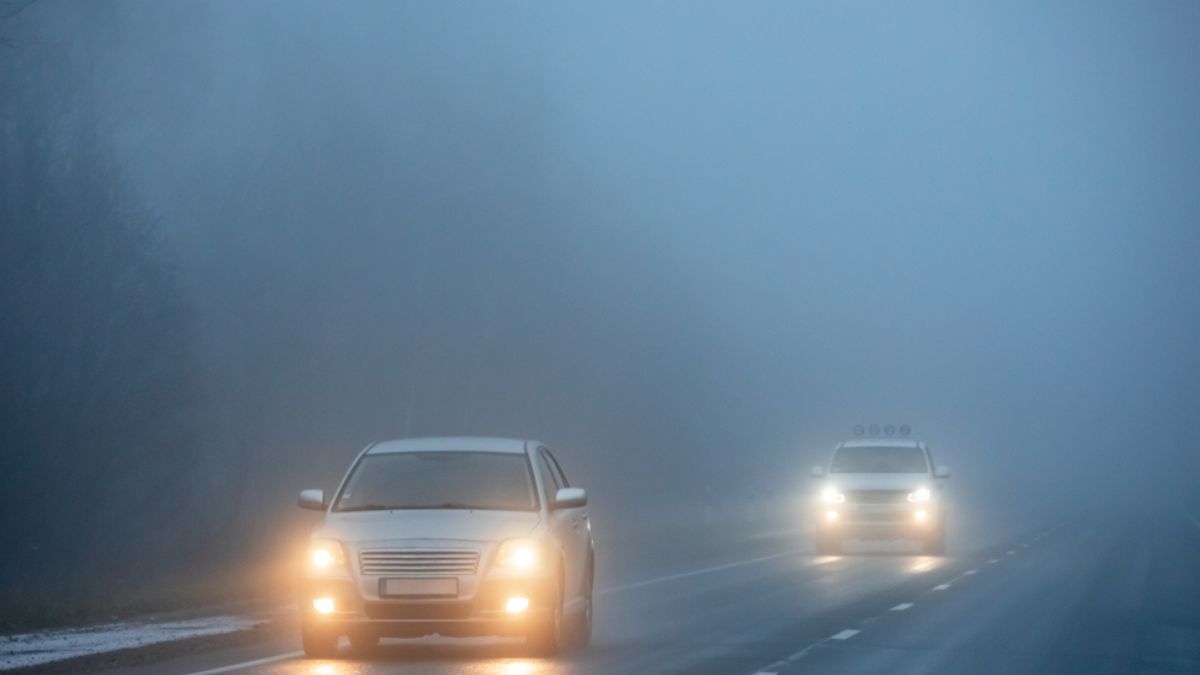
(418, 588)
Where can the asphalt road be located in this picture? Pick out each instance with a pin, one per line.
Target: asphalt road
(1093, 594)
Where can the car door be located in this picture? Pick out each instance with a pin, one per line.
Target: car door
(569, 527)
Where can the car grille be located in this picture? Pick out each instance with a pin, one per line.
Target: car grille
(876, 496)
(405, 561)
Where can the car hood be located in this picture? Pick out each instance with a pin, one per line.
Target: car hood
(880, 481)
(426, 524)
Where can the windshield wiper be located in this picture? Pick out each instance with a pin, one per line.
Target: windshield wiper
(406, 507)
(369, 507)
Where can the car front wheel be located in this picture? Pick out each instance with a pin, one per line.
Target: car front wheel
(583, 629)
(363, 641)
(319, 642)
(545, 636)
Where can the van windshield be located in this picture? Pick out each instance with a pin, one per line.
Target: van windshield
(879, 459)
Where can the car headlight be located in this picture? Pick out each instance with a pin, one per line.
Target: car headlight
(920, 495)
(831, 496)
(326, 555)
(519, 554)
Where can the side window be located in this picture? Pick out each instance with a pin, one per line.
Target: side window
(558, 472)
(550, 483)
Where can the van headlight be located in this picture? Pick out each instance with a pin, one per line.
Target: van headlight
(832, 496)
(518, 554)
(326, 555)
(921, 494)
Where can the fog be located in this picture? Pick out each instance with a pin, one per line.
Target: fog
(686, 245)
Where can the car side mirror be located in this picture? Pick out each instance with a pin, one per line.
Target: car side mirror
(313, 500)
(817, 472)
(941, 472)
(570, 498)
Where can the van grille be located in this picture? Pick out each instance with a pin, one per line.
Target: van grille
(405, 561)
(876, 496)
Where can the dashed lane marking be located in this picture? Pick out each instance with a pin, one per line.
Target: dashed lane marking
(941, 587)
(844, 635)
(250, 664)
(1193, 519)
(901, 607)
(993, 561)
(692, 573)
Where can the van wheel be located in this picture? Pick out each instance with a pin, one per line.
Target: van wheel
(319, 642)
(934, 543)
(829, 544)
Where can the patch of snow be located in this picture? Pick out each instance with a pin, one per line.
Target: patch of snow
(31, 649)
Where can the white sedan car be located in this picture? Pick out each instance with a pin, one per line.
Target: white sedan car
(449, 536)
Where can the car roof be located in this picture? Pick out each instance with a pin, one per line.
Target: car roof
(881, 443)
(450, 444)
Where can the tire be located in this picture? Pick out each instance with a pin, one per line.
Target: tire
(545, 636)
(319, 642)
(583, 623)
(829, 544)
(363, 641)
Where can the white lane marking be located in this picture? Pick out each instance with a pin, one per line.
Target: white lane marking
(1010, 552)
(692, 573)
(1193, 519)
(969, 573)
(901, 607)
(1024, 545)
(941, 587)
(765, 672)
(250, 664)
(993, 561)
(797, 655)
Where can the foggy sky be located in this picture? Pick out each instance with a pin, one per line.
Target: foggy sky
(710, 238)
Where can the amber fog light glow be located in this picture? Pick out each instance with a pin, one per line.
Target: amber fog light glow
(831, 516)
(921, 516)
(516, 605)
(323, 605)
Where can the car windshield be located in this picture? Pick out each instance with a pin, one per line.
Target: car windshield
(439, 480)
(879, 459)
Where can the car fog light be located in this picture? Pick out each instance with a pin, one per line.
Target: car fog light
(323, 605)
(516, 605)
(831, 516)
(921, 516)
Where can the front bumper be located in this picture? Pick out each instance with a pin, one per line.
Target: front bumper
(879, 521)
(483, 614)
